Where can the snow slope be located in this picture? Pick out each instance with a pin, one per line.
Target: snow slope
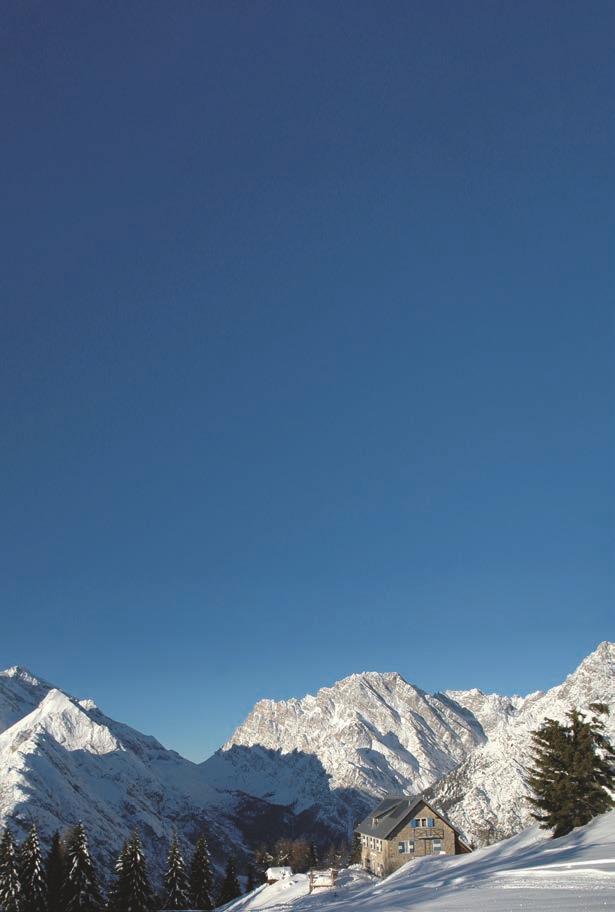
(530, 872)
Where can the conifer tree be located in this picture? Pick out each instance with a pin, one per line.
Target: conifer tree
(330, 858)
(55, 871)
(250, 880)
(299, 857)
(176, 880)
(131, 891)
(81, 892)
(263, 859)
(313, 859)
(230, 888)
(355, 852)
(10, 886)
(201, 877)
(573, 771)
(32, 873)
(593, 770)
(114, 896)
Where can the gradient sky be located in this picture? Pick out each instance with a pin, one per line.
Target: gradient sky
(306, 348)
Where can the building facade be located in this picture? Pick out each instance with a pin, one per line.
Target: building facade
(401, 829)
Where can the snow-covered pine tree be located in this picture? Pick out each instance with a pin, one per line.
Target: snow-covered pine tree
(132, 890)
(55, 871)
(176, 880)
(201, 877)
(114, 896)
(81, 892)
(32, 873)
(230, 888)
(10, 886)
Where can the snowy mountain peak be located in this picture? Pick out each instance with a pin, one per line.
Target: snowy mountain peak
(20, 692)
(371, 732)
(18, 671)
(61, 718)
(602, 659)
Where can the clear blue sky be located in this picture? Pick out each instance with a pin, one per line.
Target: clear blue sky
(306, 348)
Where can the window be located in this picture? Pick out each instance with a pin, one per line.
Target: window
(364, 840)
(420, 822)
(406, 848)
(437, 846)
(401, 848)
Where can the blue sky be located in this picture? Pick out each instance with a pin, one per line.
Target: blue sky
(306, 351)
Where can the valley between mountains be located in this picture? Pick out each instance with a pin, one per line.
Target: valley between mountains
(308, 766)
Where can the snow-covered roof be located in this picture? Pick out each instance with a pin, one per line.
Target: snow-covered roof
(278, 873)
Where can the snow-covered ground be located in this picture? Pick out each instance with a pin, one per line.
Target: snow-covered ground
(529, 872)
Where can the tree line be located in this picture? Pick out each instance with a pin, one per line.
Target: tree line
(65, 880)
(303, 855)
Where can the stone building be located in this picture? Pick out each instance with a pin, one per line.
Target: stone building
(401, 829)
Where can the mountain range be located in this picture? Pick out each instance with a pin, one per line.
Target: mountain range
(301, 766)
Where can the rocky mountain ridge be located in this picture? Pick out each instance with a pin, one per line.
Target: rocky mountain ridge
(310, 765)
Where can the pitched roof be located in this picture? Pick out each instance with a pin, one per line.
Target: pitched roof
(392, 812)
(389, 813)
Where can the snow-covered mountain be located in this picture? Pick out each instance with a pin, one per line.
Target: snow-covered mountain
(485, 795)
(62, 760)
(304, 766)
(373, 733)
